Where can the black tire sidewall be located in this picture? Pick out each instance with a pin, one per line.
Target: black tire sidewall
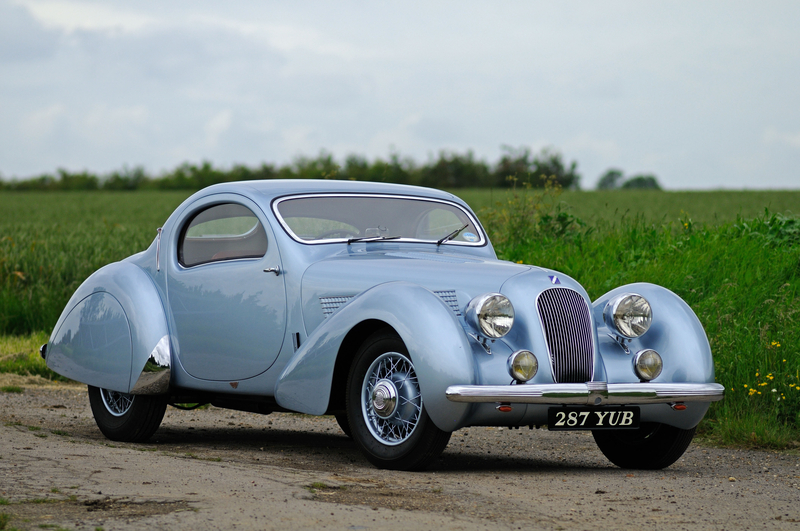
(135, 425)
(652, 447)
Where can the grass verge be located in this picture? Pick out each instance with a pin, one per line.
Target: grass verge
(20, 355)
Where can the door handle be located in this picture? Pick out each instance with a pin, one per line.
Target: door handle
(276, 270)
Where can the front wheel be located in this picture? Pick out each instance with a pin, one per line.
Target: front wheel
(126, 418)
(652, 446)
(385, 412)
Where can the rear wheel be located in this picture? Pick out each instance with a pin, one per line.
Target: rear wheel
(385, 412)
(124, 417)
(651, 447)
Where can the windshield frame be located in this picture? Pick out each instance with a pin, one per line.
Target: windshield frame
(482, 240)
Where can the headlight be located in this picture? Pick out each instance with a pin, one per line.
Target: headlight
(491, 313)
(628, 314)
(647, 364)
(522, 365)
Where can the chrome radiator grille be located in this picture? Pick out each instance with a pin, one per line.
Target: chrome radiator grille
(568, 332)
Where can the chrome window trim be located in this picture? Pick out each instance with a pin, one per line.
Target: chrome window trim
(194, 210)
(276, 202)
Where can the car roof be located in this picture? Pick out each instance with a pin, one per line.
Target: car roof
(273, 188)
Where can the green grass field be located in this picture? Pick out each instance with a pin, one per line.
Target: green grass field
(702, 207)
(738, 268)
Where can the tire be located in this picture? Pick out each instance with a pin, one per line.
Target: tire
(651, 447)
(126, 418)
(397, 433)
(344, 424)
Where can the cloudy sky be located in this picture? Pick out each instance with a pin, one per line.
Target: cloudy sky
(702, 94)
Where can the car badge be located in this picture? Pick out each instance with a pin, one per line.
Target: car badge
(554, 279)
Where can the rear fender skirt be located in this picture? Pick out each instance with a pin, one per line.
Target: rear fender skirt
(113, 333)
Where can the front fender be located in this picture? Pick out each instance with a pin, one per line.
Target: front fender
(113, 333)
(430, 330)
(676, 334)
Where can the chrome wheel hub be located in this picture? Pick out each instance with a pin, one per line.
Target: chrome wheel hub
(391, 402)
(384, 398)
(116, 403)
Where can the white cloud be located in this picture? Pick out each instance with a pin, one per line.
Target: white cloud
(607, 149)
(297, 140)
(217, 126)
(676, 91)
(109, 126)
(42, 123)
(71, 15)
(773, 136)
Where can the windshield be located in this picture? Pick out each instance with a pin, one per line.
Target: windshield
(342, 217)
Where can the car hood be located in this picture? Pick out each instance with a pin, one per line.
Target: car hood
(331, 283)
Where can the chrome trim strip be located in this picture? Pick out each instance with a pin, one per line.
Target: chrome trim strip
(276, 203)
(590, 393)
(157, 372)
(158, 249)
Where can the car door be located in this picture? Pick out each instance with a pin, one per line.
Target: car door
(225, 290)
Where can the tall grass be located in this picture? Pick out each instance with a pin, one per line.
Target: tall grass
(741, 276)
(50, 243)
(742, 279)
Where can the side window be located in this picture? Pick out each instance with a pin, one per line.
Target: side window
(221, 232)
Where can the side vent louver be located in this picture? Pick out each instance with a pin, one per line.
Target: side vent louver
(449, 297)
(331, 304)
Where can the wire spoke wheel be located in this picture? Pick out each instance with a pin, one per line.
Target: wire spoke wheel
(391, 401)
(116, 403)
(385, 409)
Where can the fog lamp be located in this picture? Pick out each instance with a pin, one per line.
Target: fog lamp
(522, 365)
(647, 364)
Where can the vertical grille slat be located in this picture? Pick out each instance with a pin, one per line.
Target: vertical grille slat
(568, 332)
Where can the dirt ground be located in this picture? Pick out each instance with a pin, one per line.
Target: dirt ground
(221, 469)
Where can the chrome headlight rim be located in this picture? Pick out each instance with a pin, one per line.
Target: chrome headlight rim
(641, 364)
(484, 314)
(516, 365)
(615, 321)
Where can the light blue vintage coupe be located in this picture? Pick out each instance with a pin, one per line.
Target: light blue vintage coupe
(385, 306)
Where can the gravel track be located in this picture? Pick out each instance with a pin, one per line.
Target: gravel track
(215, 468)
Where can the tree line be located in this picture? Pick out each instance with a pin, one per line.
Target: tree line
(449, 170)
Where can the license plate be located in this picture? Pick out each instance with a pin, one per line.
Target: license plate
(592, 418)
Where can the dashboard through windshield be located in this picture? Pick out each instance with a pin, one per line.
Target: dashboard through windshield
(330, 218)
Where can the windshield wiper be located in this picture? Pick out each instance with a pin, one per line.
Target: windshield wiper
(451, 235)
(371, 239)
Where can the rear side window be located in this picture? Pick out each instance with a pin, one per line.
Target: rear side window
(222, 232)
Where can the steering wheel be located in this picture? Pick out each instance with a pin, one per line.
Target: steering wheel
(343, 233)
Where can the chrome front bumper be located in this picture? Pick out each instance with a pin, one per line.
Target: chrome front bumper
(589, 393)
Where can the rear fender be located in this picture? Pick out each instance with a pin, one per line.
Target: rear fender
(435, 340)
(113, 333)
